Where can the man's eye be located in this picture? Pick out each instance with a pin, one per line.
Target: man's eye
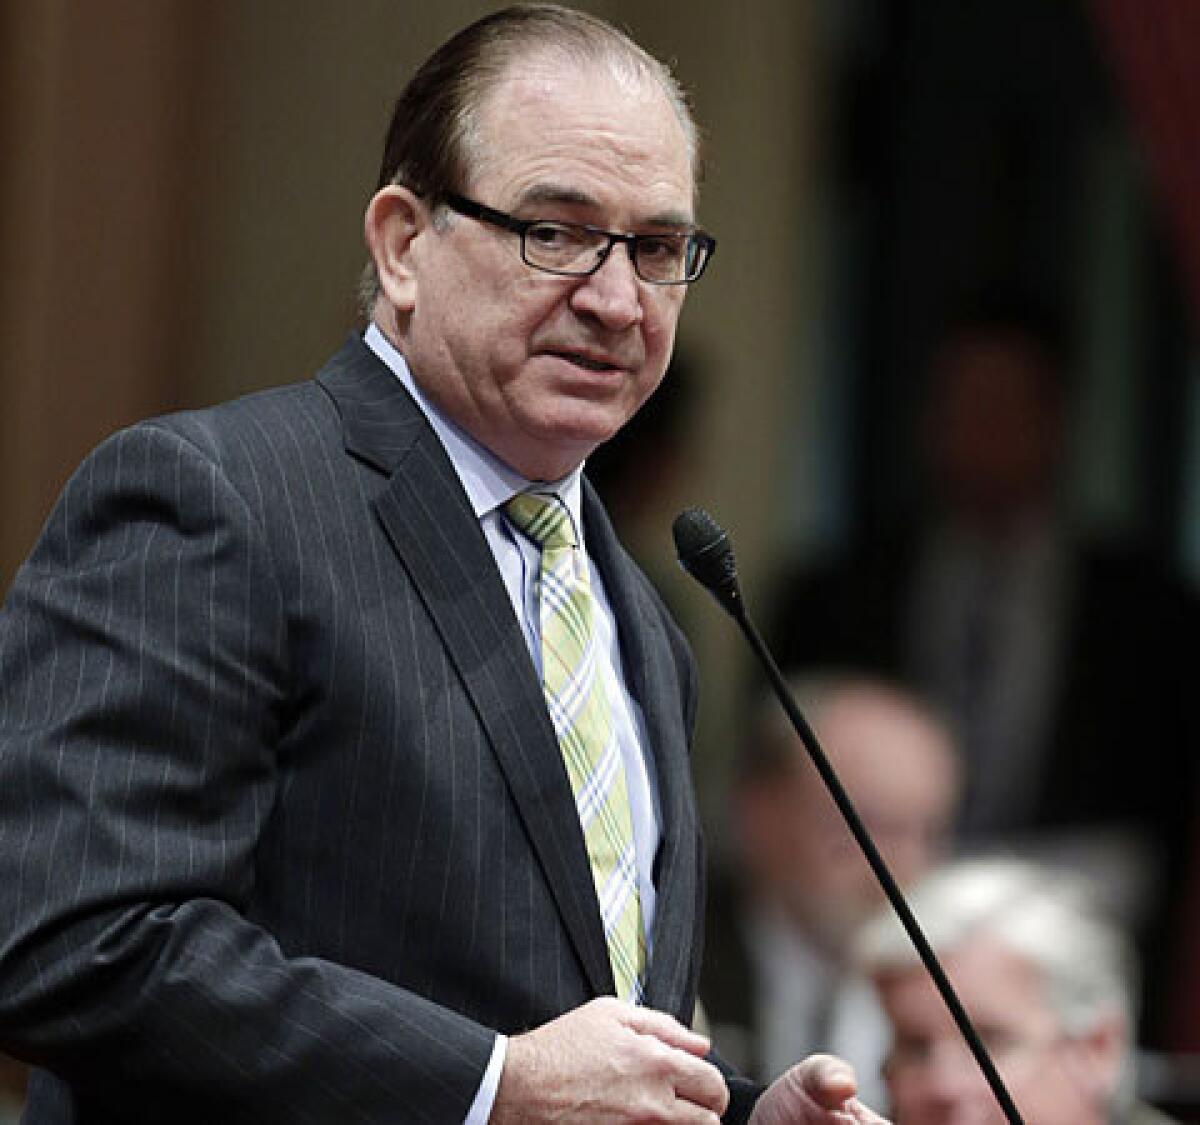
(660, 248)
(551, 236)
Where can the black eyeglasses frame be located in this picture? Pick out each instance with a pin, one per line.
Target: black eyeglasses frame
(473, 209)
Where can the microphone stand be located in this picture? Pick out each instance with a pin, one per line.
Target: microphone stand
(718, 574)
(867, 844)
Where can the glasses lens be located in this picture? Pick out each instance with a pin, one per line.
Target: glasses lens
(670, 259)
(563, 247)
(662, 258)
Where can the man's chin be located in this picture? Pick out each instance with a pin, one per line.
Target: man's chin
(552, 455)
(574, 435)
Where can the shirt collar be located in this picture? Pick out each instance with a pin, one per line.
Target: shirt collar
(488, 481)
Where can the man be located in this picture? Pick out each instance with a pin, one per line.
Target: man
(776, 976)
(289, 831)
(1046, 982)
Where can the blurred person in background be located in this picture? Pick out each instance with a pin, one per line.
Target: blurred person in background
(775, 974)
(1047, 980)
(1055, 653)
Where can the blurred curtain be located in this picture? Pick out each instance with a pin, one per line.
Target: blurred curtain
(1154, 47)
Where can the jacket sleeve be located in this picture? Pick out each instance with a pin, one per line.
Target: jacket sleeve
(143, 681)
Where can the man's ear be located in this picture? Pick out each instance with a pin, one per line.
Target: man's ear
(393, 220)
(1103, 1050)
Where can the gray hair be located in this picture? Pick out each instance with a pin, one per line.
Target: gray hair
(433, 140)
(1044, 916)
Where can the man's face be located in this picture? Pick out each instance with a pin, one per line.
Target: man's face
(994, 429)
(901, 773)
(933, 1079)
(540, 368)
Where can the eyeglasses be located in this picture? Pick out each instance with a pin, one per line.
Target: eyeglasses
(918, 1054)
(578, 250)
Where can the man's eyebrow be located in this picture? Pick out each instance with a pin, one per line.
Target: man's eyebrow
(552, 193)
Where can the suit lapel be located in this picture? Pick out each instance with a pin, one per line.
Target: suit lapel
(651, 670)
(431, 526)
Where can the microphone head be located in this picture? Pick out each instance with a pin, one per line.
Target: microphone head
(706, 554)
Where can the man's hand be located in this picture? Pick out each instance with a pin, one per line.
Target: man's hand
(609, 1061)
(818, 1091)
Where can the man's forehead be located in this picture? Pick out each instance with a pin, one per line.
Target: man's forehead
(534, 113)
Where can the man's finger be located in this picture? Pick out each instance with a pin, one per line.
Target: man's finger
(829, 1081)
(864, 1115)
(700, 1083)
(666, 1028)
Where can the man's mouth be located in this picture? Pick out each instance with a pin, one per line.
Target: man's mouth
(587, 362)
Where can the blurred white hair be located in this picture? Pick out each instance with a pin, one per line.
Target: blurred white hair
(1043, 915)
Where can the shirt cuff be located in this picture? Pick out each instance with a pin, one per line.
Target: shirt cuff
(485, 1097)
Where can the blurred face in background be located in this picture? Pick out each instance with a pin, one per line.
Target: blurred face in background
(901, 774)
(993, 429)
(1054, 1078)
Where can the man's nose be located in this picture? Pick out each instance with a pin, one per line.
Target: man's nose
(613, 294)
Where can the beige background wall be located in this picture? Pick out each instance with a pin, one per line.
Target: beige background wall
(181, 223)
(100, 120)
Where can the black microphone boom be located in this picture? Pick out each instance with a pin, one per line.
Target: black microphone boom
(706, 554)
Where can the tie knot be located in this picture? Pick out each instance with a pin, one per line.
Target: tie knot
(544, 519)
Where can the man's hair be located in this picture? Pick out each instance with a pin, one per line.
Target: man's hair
(1046, 917)
(433, 141)
(771, 748)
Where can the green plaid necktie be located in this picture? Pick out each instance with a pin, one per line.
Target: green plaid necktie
(578, 707)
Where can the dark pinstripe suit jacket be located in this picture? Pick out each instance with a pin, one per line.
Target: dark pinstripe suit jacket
(284, 830)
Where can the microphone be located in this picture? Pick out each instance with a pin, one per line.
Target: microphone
(705, 552)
